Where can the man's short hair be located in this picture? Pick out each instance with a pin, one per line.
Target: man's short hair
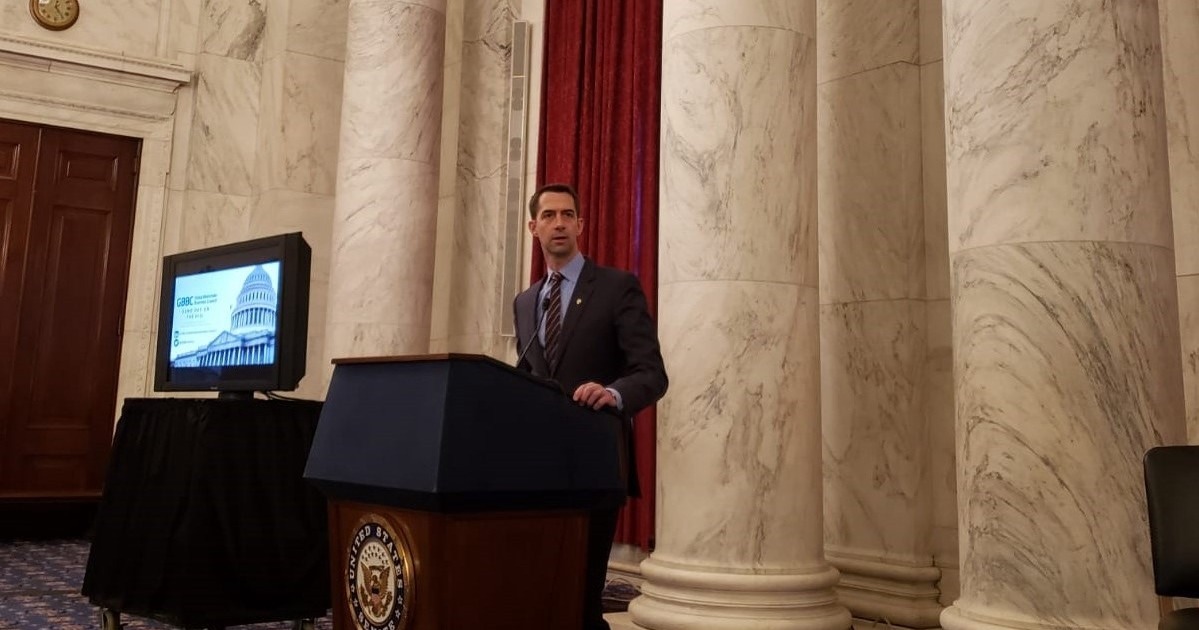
(551, 188)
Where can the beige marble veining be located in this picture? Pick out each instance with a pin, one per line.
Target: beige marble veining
(1180, 44)
(875, 436)
(300, 123)
(939, 418)
(224, 130)
(1188, 315)
(393, 72)
(1065, 356)
(744, 373)
(860, 35)
(685, 16)
(871, 223)
(739, 540)
(931, 32)
(380, 264)
(936, 219)
(738, 144)
(210, 219)
(1055, 100)
(318, 28)
(233, 28)
(382, 251)
(481, 168)
(128, 26)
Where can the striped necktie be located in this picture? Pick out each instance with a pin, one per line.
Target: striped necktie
(553, 320)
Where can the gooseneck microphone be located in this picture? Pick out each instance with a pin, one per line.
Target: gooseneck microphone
(545, 309)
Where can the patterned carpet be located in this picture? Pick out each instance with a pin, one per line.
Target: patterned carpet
(40, 581)
(39, 590)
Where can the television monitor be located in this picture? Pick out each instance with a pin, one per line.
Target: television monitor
(234, 318)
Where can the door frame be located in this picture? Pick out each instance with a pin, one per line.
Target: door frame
(145, 99)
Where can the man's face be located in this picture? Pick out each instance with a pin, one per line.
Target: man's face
(557, 226)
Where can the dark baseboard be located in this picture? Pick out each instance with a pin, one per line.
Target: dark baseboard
(47, 520)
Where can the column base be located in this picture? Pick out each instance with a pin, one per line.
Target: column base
(886, 592)
(624, 621)
(957, 617)
(676, 597)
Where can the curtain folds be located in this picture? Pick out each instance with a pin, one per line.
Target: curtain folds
(601, 89)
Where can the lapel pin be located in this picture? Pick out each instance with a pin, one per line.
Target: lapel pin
(578, 300)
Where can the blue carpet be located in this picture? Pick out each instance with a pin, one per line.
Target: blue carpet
(39, 590)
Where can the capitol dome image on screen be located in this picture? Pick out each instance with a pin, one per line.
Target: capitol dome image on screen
(204, 336)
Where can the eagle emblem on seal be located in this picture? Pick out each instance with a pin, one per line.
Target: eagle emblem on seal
(378, 576)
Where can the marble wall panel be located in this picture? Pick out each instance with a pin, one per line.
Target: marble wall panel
(130, 27)
(860, 35)
(209, 219)
(233, 28)
(744, 373)
(941, 455)
(1065, 356)
(737, 135)
(224, 129)
(181, 41)
(871, 200)
(318, 28)
(875, 433)
(1030, 124)
(931, 33)
(481, 172)
(300, 123)
(936, 210)
(278, 211)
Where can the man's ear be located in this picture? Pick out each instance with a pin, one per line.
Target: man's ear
(533, 227)
(580, 222)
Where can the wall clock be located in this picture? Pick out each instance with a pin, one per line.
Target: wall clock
(55, 15)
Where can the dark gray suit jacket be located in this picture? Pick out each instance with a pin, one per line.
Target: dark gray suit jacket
(607, 336)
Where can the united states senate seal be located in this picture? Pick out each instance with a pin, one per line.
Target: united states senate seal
(379, 576)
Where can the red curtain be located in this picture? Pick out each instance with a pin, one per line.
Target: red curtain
(601, 88)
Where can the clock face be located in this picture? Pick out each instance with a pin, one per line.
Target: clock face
(54, 14)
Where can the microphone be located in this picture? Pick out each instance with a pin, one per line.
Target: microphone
(545, 309)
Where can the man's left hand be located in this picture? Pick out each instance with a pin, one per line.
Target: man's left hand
(594, 395)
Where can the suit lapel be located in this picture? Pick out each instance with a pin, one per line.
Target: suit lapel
(579, 300)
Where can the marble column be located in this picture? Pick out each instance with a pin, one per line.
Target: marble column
(384, 226)
(873, 310)
(739, 536)
(1065, 321)
(1180, 45)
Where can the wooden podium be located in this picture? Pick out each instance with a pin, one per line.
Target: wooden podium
(458, 493)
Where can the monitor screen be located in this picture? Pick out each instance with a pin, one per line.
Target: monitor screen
(227, 317)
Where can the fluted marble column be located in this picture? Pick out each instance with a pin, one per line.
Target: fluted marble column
(381, 271)
(1065, 324)
(739, 537)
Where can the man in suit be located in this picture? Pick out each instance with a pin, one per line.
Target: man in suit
(588, 328)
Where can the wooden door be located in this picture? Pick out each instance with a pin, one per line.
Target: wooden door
(66, 208)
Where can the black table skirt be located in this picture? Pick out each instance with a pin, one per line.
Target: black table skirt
(206, 520)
